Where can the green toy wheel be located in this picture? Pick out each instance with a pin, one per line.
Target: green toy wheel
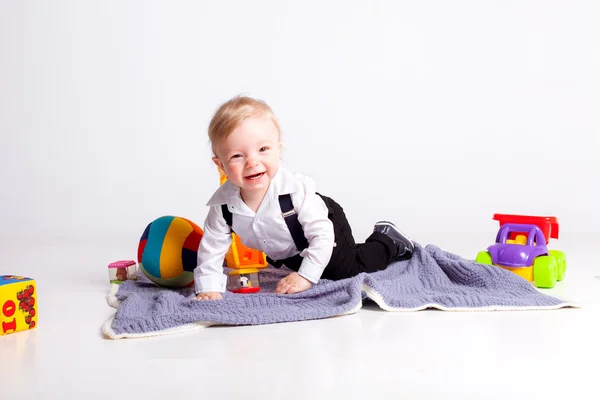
(561, 263)
(545, 272)
(484, 257)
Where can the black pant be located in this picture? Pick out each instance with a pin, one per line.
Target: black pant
(349, 258)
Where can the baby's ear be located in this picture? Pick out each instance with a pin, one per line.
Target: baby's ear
(218, 163)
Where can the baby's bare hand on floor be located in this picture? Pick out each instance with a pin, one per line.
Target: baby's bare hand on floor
(293, 283)
(209, 296)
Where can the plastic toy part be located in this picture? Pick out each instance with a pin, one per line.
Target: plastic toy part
(120, 271)
(240, 256)
(520, 239)
(521, 247)
(561, 263)
(548, 225)
(222, 176)
(545, 272)
(18, 304)
(243, 280)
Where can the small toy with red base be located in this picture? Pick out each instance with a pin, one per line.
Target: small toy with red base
(245, 264)
(120, 271)
(521, 247)
(243, 280)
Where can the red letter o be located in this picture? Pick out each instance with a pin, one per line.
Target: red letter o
(9, 308)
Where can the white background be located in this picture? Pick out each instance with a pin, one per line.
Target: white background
(432, 114)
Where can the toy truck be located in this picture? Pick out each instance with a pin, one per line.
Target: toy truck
(521, 247)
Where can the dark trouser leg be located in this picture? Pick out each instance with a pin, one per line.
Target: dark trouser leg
(374, 255)
(350, 259)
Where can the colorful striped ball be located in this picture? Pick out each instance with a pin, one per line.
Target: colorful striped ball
(167, 253)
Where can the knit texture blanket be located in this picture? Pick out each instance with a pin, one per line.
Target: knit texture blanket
(432, 278)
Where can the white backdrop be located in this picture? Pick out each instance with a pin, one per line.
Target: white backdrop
(433, 114)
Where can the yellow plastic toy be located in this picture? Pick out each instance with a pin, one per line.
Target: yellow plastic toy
(18, 299)
(245, 263)
(520, 239)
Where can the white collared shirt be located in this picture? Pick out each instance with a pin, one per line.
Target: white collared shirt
(265, 230)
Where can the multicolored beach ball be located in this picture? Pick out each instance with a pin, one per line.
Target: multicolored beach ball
(167, 253)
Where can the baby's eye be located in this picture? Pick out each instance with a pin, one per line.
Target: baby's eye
(236, 156)
(264, 148)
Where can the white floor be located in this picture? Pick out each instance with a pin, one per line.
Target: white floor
(372, 354)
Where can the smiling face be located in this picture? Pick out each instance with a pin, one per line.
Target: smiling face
(250, 155)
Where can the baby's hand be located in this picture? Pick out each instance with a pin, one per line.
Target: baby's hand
(293, 283)
(209, 296)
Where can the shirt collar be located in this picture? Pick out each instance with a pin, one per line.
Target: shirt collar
(283, 182)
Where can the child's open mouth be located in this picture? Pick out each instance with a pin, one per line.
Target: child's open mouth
(255, 176)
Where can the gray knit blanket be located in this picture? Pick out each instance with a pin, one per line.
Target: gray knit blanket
(432, 278)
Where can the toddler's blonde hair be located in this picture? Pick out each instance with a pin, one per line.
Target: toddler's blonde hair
(233, 112)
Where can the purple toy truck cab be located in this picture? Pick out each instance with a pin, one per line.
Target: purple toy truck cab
(518, 255)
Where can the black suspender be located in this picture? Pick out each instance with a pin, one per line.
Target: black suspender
(289, 215)
(227, 215)
(291, 220)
